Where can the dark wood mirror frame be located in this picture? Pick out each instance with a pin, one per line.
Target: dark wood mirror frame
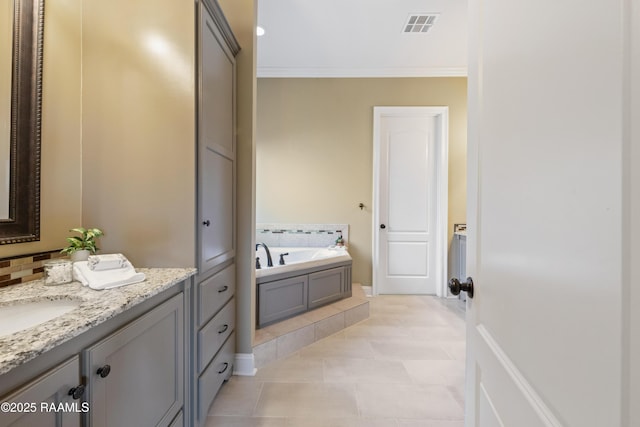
(23, 224)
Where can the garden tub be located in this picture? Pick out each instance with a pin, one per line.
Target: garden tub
(310, 278)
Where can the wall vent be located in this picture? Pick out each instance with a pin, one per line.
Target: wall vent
(419, 23)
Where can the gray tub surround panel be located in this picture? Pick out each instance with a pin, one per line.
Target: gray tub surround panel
(283, 295)
(301, 235)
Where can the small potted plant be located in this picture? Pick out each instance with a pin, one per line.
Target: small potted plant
(81, 247)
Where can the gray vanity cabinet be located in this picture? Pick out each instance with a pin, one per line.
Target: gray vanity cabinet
(135, 376)
(45, 392)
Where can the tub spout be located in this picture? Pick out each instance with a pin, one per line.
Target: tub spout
(266, 249)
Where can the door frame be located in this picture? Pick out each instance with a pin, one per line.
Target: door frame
(441, 132)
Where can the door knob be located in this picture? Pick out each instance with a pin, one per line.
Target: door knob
(455, 286)
(383, 226)
(206, 223)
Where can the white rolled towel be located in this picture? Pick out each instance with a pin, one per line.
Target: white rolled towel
(106, 279)
(106, 262)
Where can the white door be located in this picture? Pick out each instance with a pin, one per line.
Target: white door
(407, 248)
(550, 120)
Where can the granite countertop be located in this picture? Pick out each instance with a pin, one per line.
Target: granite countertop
(95, 308)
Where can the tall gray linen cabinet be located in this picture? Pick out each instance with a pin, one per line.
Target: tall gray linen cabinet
(213, 308)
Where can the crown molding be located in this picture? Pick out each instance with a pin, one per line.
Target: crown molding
(279, 72)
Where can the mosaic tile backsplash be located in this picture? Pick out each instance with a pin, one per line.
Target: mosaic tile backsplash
(25, 268)
(301, 235)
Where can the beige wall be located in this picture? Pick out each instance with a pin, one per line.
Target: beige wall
(60, 189)
(118, 129)
(314, 157)
(138, 133)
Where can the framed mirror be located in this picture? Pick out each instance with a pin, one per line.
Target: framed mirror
(21, 39)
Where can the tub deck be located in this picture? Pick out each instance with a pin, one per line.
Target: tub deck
(281, 339)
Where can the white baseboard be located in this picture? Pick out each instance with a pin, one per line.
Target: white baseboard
(244, 365)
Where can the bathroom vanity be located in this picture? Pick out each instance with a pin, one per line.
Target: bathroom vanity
(119, 358)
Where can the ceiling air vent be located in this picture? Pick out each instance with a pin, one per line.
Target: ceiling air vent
(419, 23)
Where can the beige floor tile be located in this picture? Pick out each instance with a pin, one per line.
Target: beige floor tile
(364, 371)
(339, 422)
(403, 366)
(307, 400)
(429, 423)
(292, 369)
(295, 340)
(408, 349)
(236, 397)
(339, 346)
(442, 372)
(408, 401)
(224, 421)
(329, 326)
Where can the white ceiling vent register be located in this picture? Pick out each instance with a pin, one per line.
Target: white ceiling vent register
(419, 23)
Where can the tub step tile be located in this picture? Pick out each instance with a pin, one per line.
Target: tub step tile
(284, 338)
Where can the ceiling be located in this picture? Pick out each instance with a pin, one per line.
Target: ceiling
(360, 38)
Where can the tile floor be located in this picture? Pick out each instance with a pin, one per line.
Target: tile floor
(401, 367)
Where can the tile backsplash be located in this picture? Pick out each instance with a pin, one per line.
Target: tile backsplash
(25, 268)
(301, 235)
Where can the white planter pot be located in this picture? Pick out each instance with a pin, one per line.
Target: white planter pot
(82, 255)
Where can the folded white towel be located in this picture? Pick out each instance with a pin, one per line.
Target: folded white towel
(106, 279)
(106, 262)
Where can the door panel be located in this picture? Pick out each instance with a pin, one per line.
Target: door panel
(216, 156)
(407, 259)
(406, 201)
(545, 245)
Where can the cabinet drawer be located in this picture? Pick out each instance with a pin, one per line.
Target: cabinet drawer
(325, 286)
(215, 292)
(216, 373)
(214, 334)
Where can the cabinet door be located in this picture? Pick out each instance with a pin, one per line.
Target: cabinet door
(35, 404)
(325, 286)
(136, 375)
(216, 146)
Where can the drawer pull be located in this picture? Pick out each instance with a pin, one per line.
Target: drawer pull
(223, 329)
(104, 371)
(77, 392)
(223, 289)
(226, 365)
